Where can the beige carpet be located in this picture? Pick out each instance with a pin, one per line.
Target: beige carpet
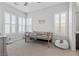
(36, 48)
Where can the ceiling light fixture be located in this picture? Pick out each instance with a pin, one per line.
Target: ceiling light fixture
(25, 3)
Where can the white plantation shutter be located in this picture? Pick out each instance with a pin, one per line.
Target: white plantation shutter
(60, 25)
(7, 22)
(13, 23)
(29, 24)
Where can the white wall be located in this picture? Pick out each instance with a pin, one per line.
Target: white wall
(46, 14)
(72, 25)
(77, 21)
(1, 18)
(7, 8)
(42, 15)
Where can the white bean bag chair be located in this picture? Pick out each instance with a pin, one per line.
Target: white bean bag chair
(62, 44)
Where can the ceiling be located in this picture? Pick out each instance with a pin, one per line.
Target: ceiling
(32, 6)
(77, 6)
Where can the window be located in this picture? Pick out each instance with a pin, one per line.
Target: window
(29, 24)
(56, 23)
(13, 23)
(60, 23)
(10, 23)
(21, 24)
(7, 23)
(63, 23)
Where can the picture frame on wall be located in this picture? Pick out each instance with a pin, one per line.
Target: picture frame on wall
(41, 21)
